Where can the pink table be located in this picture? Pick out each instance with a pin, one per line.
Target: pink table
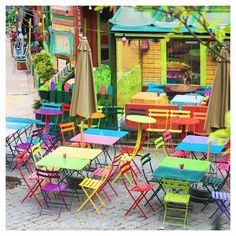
(47, 113)
(105, 141)
(95, 139)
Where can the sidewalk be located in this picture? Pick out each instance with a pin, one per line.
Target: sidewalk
(20, 91)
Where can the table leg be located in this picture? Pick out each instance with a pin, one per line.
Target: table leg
(183, 133)
(46, 123)
(89, 122)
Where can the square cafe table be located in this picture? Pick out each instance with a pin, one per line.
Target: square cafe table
(101, 137)
(194, 143)
(181, 100)
(76, 158)
(193, 171)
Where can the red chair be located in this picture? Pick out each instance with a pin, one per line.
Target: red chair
(64, 108)
(31, 178)
(168, 143)
(136, 191)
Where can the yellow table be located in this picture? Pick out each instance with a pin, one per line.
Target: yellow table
(140, 120)
(81, 153)
(149, 98)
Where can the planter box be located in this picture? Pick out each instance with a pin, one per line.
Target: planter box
(53, 96)
(60, 97)
(44, 95)
(67, 97)
(21, 65)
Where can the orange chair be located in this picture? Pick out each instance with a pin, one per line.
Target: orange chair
(68, 131)
(201, 116)
(178, 113)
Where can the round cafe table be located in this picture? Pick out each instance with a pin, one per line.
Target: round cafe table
(47, 113)
(140, 120)
(183, 121)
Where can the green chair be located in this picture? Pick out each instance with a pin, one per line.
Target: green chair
(159, 143)
(176, 201)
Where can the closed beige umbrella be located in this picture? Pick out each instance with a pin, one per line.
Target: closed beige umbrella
(219, 102)
(84, 101)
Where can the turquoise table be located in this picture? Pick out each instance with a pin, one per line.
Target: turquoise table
(106, 132)
(194, 143)
(193, 171)
(181, 100)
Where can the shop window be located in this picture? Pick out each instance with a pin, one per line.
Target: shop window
(183, 57)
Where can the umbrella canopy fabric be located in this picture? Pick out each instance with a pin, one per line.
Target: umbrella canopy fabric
(219, 102)
(84, 100)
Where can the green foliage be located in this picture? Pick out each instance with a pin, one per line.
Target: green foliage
(37, 103)
(102, 75)
(128, 85)
(43, 66)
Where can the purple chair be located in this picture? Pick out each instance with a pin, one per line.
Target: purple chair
(53, 189)
(35, 137)
(222, 199)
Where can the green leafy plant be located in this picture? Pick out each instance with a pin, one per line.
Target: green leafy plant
(102, 76)
(37, 103)
(43, 66)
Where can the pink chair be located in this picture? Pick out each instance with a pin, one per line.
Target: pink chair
(168, 143)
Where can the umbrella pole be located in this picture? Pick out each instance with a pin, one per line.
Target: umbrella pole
(82, 134)
(209, 151)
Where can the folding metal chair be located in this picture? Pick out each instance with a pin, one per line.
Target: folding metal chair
(147, 173)
(92, 188)
(176, 201)
(222, 200)
(213, 184)
(53, 188)
(136, 191)
(31, 178)
(168, 143)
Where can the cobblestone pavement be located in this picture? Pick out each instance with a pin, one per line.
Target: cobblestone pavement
(111, 217)
(27, 216)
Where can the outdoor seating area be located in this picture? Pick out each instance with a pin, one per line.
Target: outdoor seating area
(141, 144)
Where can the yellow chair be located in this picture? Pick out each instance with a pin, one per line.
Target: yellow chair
(178, 113)
(161, 125)
(37, 153)
(92, 187)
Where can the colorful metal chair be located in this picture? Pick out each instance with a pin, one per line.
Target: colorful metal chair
(161, 125)
(147, 170)
(68, 131)
(201, 116)
(178, 113)
(136, 191)
(28, 175)
(92, 187)
(159, 144)
(222, 200)
(168, 143)
(53, 189)
(176, 201)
